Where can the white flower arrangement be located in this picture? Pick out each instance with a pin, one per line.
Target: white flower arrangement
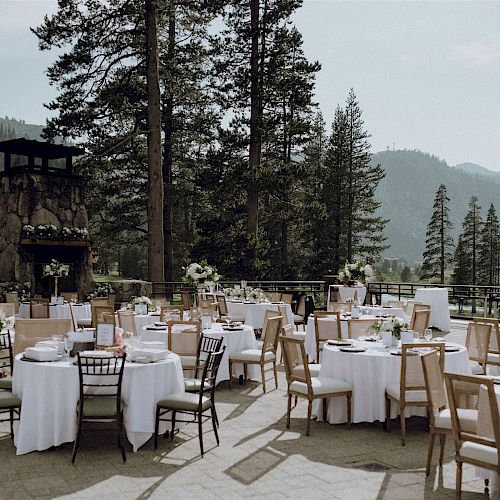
(142, 300)
(201, 274)
(75, 233)
(395, 325)
(356, 271)
(245, 293)
(101, 290)
(28, 230)
(56, 269)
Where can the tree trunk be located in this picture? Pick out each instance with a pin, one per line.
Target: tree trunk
(167, 154)
(155, 177)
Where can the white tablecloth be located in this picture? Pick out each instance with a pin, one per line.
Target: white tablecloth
(60, 311)
(142, 320)
(254, 313)
(370, 373)
(233, 340)
(50, 392)
(437, 298)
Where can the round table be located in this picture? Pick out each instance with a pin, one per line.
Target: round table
(369, 373)
(254, 313)
(59, 311)
(50, 392)
(235, 340)
(437, 298)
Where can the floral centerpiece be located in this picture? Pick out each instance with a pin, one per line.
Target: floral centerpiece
(55, 270)
(101, 290)
(201, 275)
(141, 304)
(23, 290)
(246, 293)
(395, 326)
(355, 272)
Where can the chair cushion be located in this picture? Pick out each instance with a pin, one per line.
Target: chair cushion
(313, 370)
(8, 400)
(321, 385)
(468, 419)
(477, 451)
(251, 355)
(394, 391)
(6, 383)
(476, 369)
(99, 407)
(188, 362)
(298, 317)
(84, 321)
(493, 358)
(184, 401)
(299, 335)
(194, 385)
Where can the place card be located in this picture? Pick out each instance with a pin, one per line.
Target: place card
(105, 334)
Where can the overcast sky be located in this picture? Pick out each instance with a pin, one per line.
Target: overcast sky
(427, 74)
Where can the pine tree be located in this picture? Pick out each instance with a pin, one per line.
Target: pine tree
(472, 226)
(438, 243)
(461, 258)
(489, 249)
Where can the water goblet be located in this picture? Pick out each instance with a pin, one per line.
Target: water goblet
(428, 334)
(68, 347)
(228, 318)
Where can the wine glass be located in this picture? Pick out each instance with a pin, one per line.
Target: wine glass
(428, 334)
(374, 300)
(228, 318)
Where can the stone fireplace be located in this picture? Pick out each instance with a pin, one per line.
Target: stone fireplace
(43, 216)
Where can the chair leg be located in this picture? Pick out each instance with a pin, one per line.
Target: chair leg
(77, 441)
(230, 373)
(387, 413)
(486, 489)
(215, 413)
(214, 424)
(11, 414)
(157, 426)
(309, 411)
(200, 433)
(442, 442)
(173, 426)
(288, 411)
(245, 373)
(324, 409)
(458, 485)
(349, 410)
(403, 424)
(429, 453)
(120, 442)
(275, 374)
(263, 378)
(296, 400)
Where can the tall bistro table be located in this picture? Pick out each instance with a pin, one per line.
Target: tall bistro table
(437, 298)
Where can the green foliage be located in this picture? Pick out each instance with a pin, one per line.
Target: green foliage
(405, 274)
(489, 249)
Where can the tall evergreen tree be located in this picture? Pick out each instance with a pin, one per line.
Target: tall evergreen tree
(472, 226)
(462, 264)
(489, 249)
(438, 242)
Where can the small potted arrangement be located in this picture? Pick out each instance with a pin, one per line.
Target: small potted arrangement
(141, 304)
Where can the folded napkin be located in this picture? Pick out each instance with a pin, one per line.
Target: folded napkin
(145, 355)
(96, 354)
(83, 336)
(41, 353)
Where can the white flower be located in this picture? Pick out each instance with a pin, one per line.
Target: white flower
(347, 273)
(368, 270)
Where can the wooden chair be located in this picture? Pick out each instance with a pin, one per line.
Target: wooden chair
(74, 322)
(6, 360)
(184, 339)
(126, 321)
(338, 306)
(8, 308)
(39, 308)
(439, 413)
(271, 330)
(287, 298)
(299, 318)
(171, 312)
(31, 331)
(477, 343)
(98, 311)
(186, 301)
(8, 402)
(411, 390)
(276, 297)
(358, 327)
(99, 301)
(410, 305)
(69, 296)
(195, 404)
(302, 384)
(221, 299)
(105, 373)
(493, 357)
(326, 327)
(314, 368)
(482, 447)
(420, 320)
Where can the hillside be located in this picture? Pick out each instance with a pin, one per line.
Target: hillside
(11, 128)
(474, 169)
(407, 194)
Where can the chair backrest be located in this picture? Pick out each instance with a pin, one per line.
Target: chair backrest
(420, 320)
(326, 326)
(477, 342)
(294, 355)
(69, 296)
(99, 301)
(358, 327)
(287, 298)
(338, 306)
(126, 321)
(210, 370)
(270, 333)
(412, 373)
(434, 383)
(184, 337)
(410, 305)
(276, 297)
(495, 333)
(6, 355)
(206, 346)
(301, 306)
(8, 308)
(99, 311)
(395, 303)
(39, 308)
(171, 312)
(74, 322)
(221, 299)
(487, 430)
(287, 331)
(186, 301)
(101, 378)
(31, 331)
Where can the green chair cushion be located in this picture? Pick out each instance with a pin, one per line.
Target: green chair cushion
(194, 385)
(8, 400)
(184, 401)
(99, 407)
(6, 383)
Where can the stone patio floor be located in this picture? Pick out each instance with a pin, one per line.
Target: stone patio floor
(257, 457)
